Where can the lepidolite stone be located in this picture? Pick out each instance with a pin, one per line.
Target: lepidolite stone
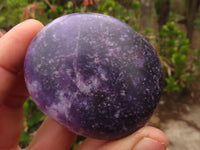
(94, 75)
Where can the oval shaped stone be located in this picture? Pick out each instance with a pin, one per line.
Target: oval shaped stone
(93, 74)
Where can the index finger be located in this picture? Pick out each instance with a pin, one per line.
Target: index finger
(13, 47)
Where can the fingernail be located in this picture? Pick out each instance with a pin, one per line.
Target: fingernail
(149, 144)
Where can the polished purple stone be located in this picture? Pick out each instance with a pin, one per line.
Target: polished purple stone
(94, 75)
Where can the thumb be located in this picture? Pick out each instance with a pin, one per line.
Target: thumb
(145, 138)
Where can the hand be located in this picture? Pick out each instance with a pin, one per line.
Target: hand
(50, 136)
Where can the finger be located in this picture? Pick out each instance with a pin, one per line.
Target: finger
(13, 46)
(52, 136)
(11, 117)
(91, 144)
(13, 91)
(146, 138)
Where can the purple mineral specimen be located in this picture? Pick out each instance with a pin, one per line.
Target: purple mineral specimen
(94, 75)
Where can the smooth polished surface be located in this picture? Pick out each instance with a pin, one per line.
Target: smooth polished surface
(94, 75)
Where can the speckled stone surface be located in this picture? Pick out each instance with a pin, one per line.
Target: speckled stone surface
(94, 75)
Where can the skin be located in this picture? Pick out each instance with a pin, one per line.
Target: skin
(13, 93)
